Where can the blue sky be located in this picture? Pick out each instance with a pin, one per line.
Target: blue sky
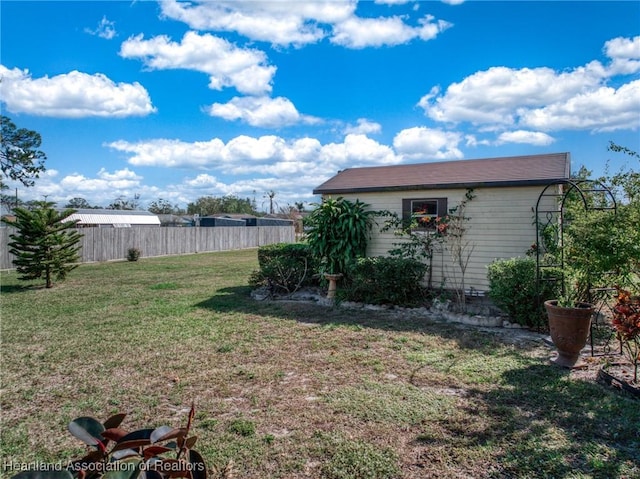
(178, 100)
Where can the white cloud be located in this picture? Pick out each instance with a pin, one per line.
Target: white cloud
(494, 95)
(503, 98)
(267, 154)
(623, 48)
(245, 165)
(364, 127)
(106, 29)
(72, 95)
(172, 153)
(105, 182)
(357, 32)
(357, 150)
(421, 143)
(527, 137)
(205, 181)
(365, 32)
(263, 149)
(100, 190)
(262, 112)
(301, 23)
(625, 53)
(392, 2)
(226, 64)
(280, 23)
(604, 109)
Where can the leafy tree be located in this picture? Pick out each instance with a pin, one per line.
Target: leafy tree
(164, 207)
(44, 245)
(79, 203)
(20, 158)
(604, 246)
(211, 205)
(627, 182)
(120, 203)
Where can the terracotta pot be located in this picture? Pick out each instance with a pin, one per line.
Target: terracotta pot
(569, 329)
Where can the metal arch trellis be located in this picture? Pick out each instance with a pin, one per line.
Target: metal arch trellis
(550, 220)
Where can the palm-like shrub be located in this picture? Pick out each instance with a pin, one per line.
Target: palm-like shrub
(338, 231)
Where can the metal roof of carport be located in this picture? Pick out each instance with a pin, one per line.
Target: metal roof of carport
(115, 217)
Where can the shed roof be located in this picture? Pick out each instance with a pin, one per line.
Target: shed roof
(114, 217)
(505, 171)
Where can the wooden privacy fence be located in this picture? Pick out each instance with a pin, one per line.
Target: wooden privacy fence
(106, 244)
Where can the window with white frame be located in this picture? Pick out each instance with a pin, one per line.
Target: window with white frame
(424, 211)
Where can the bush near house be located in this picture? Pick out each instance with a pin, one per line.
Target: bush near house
(284, 267)
(385, 280)
(512, 288)
(287, 267)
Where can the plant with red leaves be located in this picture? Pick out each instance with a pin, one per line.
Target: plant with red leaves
(626, 320)
(114, 452)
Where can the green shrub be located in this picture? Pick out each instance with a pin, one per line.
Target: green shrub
(512, 288)
(133, 254)
(385, 280)
(284, 267)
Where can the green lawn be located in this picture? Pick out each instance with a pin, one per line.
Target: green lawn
(292, 390)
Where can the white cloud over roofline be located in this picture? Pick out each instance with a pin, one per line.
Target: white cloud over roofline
(527, 137)
(72, 95)
(422, 143)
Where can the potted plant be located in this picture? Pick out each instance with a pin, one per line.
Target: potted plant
(570, 317)
(594, 253)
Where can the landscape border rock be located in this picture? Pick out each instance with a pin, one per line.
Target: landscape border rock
(440, 311)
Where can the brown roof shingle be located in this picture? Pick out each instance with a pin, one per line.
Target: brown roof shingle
(506, 171)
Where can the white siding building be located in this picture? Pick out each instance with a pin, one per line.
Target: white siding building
(501, 216)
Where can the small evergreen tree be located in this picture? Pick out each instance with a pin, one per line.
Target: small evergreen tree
(44, 245)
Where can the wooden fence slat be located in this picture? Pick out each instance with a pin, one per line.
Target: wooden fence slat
(108, 244)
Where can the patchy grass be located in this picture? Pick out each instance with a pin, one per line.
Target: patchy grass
(292, 390)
